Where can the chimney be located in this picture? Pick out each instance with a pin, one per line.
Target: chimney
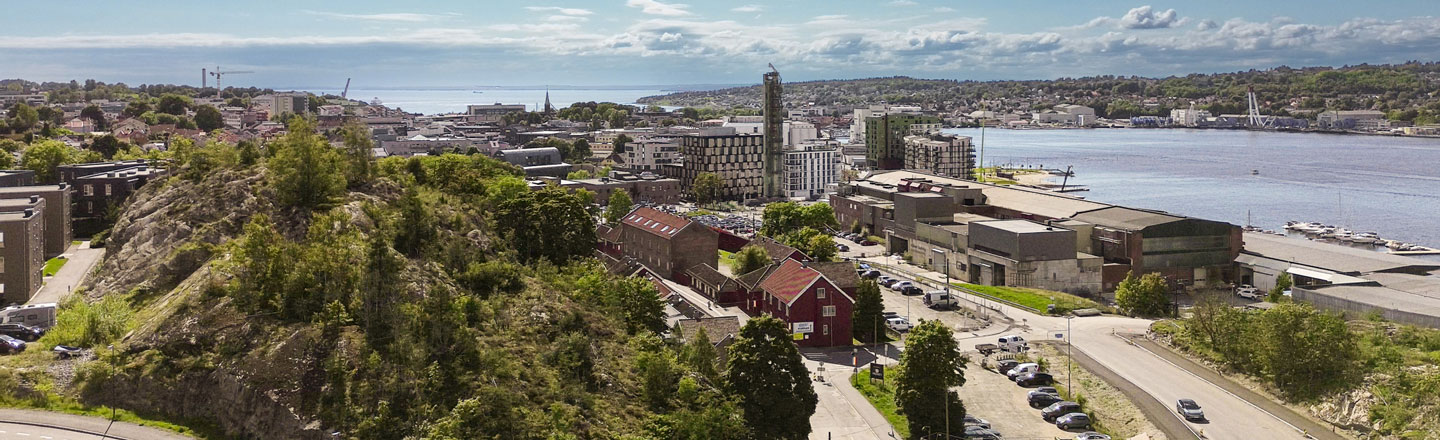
(34, 198)
(64, 185)
(29, 212)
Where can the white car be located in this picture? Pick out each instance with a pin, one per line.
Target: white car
(898, 324)
(900, 286)
(1249, 293)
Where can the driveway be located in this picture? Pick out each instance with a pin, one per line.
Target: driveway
(842, 413)
(82, 261)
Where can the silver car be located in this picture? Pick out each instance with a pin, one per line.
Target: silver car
(1189, 409)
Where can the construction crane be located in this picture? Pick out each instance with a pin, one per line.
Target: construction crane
(347, 89)
(217, 73)
(1254, 118)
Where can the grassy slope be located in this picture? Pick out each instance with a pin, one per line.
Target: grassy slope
(54, 265)
(1036, 299)
(882, 397)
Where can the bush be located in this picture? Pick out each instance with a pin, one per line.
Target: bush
(82, 324)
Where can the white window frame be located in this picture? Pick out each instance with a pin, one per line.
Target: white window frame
(827, 311)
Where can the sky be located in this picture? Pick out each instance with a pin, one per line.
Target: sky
(420, 43)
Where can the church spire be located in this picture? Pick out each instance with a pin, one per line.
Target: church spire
(548, 108)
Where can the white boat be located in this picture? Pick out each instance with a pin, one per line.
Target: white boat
(1366, 238)
(1343, 235)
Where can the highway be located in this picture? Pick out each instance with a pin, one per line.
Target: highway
(1230, 417)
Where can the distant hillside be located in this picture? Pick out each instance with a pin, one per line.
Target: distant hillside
(1407, 89)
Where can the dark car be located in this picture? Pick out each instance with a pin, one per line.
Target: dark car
(1043, 390)
(1074, 420)
(1033, 379)
(871, 274)
(842, 248)
(911, 290)
(887, 281)
(1043, 400)
(1057, 409)
(1189, 409)
(981, 433)
(1003, 367)
(21, 331)
(9, 345)
(867, 242)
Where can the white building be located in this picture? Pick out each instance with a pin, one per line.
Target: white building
(797, 132)
(1188, 117)
(650, 154)
(810, 169)
(857, 124)
(1066, 114)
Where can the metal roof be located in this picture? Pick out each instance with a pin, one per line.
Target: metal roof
(1336, 258)
(1382, 297)
(1129, 219)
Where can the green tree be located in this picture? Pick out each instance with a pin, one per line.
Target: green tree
(580, 151)
(578, 175)
(1282, 283)
(173, 104)
(929, 368)
(706, 188)
(359, 154)
(249, 152)
(868, 316)
(1305, 352)
(620, 142)
(821, 247)
(93, 113)
(23, 117)
(767, 376)
(1146, 296)
(11, 145)
(208, 118)
(618, 205)
(549, 224)
(260, 263)
(135, 108)
(417, 225)
(44, 156)
(306, 172)
(638, 302)
(108, 145)
(658, 375)
(749, 259)
(699, 354)
(785, 217)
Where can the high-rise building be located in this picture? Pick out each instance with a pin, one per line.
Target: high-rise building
(940, 154)
(774, 113)
(810, 170)
(735, 158)
(885, 137)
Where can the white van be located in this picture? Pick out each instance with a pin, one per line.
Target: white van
(35, 315)
(1023, 369)
(940, 299)
(1013, 343)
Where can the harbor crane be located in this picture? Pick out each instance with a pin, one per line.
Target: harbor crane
(217, 73)
(1254, 118)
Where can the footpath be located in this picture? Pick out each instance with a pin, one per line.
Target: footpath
(85, 425)
(82, 259)
(1310, 427)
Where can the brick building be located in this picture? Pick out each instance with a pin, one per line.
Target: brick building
(641, 188)
(667, 244)
(22, 248)
(55, 213)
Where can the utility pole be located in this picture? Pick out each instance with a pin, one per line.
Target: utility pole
(1069, 356)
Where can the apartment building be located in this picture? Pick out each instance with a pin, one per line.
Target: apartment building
(650, 154)
(55, 214)
(735, 158)
(17, 178)
(885, 137)
(22, 248)
(940, 154)
(810, 170)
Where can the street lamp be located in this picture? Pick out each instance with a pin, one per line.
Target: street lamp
(1069, 356)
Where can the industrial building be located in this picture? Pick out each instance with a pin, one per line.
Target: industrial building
(932, 219)
(1345, 279)
(536, 161)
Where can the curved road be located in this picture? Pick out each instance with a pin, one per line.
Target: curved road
(1230, 417)
(46, 425)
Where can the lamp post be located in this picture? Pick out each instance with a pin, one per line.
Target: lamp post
(112, 404)
(1069, 356)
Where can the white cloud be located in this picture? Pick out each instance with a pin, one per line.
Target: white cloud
(1145, 18)
(654, 7)
(577, 12)
(748, 8)
(1205, 25)
(903, 3)
(404, 17)
(944, 9)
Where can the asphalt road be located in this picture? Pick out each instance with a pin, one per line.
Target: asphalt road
(45, 425)
(1230, 417)
(82, 260)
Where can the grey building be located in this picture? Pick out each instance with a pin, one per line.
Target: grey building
(1023, 253)
(536, 161)
(17, 178)
(55, 213)
(22, 248)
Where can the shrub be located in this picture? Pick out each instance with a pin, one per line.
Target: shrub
(82, 324)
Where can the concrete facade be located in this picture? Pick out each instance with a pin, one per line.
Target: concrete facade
(941, 154)
(885, 137)
(735, 158)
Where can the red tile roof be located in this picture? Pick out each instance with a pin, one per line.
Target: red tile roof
(659, 223)
(789, 280)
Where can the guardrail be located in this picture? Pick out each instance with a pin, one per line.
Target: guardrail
(917, 277)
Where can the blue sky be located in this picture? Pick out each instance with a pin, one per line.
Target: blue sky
(634, 42)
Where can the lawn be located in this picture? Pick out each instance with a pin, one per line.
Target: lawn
(882, 397)
(727, 259)
(54, 265)
(1036, 299)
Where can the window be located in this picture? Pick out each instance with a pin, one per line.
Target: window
(89, 189)
(820, 293)
(827, 311)
(107, 189)
(825, 328)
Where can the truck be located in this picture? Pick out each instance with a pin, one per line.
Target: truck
(35, 315)
(940, 300)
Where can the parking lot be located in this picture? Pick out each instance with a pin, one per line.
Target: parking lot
(993, 397)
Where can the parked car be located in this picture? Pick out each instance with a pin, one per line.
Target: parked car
(1042, 390)
(1075, 420)
(1028, 367)
(66, 351)
(976, 421)
(1249, 293)
(9, 345)
(889, 314)
(981, 433)
(1043, 400)
(21, 331)
(1013, 343)
(886, 281)
(842, 248)
(1032, 379)
(1091, 435)
(870, 274)
(898, 324)
(1189, 409)
(911, 290)
(865, 266)
(1057, 409)
(899, 286)
(940, 300)
(867, 242)
(1004, 366)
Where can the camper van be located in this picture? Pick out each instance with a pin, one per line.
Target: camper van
(940, 299)
(34, 315)
(1013, 343)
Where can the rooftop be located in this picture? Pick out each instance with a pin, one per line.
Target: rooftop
(1383, 297)
(663, 224)
(789, 280)
(1126, 218)
(1020, 226)
(1328, 256)
(33, 189)
(717, 328)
